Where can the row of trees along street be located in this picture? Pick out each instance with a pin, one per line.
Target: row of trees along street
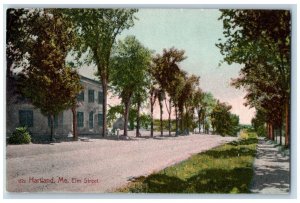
(261, 41)
(39, 42)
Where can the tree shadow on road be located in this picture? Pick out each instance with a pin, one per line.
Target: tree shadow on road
(272, 171)
(271, 178)
(232, 152)
(206, 181)
(244, 142)
(206, 172)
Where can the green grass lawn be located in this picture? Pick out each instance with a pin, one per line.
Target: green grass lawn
(224, 169)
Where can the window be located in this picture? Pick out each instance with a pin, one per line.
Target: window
(80, 97)
(91, 120)
(26, 118)
(100, 97)
(91, 96)
(55, 121)
(80, 119)
(100, 119)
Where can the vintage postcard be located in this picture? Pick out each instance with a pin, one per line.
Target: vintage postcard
(148, 100)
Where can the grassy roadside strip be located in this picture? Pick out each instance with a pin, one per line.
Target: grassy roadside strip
(224, 169)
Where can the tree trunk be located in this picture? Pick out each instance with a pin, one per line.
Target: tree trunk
(75, 134)
(51, 127)
(268, 130)
(9, 64)
(287, 123)
(199, 121)
(181, 121)
(161, 122)
(169, 124)
(176, 118)
(151, 115)
(169, 112)
(126, 115)
(186, 120)
(203, 125)
(280, 134)
(272, 132)
(138, 119)
(269, 135)
(104, 105)
(9, 82)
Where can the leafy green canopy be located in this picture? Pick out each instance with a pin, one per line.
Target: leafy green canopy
(165, 68)
(129, 65)
(223, 121)
(97, 30)
(260, 40)
(17, 35)
(50, 84)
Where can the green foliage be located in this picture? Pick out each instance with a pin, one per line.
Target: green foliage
(225, 169)
(261, 40)
(165, 68)
(197, 99)
(170, 78)
(132, 116)
(97, 30)
(261, 131)
(117, 111)
(129, 65)
(17, 35)
(113, 113)
(185, 101)
(20, 136)
(259, 123)
(47, 81)
(247, 127)
(234, 125)
(207, 104)
(165, 124)
(188, 122)
(145, 121)
(223, 122)
(185, 98)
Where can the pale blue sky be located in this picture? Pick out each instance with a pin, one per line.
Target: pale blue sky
(196, 31)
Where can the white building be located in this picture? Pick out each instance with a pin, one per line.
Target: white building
(89, 115)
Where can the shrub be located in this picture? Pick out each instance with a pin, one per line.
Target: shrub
(261, 131)
(20, 136)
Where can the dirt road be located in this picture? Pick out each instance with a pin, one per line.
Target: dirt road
(99, 165)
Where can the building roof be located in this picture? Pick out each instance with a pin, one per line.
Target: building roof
(90, 80)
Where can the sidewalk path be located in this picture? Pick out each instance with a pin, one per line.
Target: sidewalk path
(271, 170)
